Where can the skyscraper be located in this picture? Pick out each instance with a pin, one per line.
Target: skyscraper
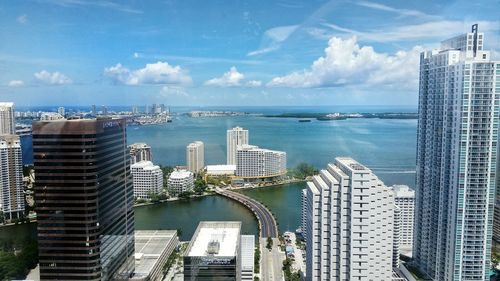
(235, 137)
(253, 162)
(7, 120)
(61, 110)
(195, 156)
(140, 152)
(350, 224)
(11, 177)
(456, 159)
(404, 198)
(84, 199)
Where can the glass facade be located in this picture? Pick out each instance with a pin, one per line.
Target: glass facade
(84, 200)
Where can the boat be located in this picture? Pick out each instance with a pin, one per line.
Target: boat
(304, 120)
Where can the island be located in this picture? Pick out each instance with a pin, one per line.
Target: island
(344, 116)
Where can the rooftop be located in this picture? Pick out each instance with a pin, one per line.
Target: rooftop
(180, 174)
(219, 237)
(213, 168)
(147, 165)
(6, 104)
(149, 245)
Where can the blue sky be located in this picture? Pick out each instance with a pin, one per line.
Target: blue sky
(260, 52)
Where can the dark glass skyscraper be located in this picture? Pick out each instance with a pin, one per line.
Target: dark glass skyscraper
(84, 199)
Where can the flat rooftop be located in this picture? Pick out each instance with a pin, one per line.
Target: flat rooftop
(224, 233)
(149, 245)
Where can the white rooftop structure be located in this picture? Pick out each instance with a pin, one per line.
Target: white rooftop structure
(215, 170)
(152, 249)
(224, 235)
(247, 257)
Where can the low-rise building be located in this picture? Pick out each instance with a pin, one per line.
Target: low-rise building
(51, 116)
(180, 181)
(147, 178)
(220, 170)
(152, 249)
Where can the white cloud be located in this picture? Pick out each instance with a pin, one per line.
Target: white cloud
(273, 38)
(231, 78)
(94, 3)
(401, 12)
(22, 19)
(136, 55)
(428, 30)
(16, 83)
(254, 83)
(54, 78)
(153, 73)
(345, 63)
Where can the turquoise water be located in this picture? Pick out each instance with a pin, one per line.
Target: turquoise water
(385, 146)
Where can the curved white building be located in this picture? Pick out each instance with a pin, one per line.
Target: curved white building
(180, 182)
(253, 162)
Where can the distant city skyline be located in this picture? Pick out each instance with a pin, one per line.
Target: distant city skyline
(191, 53)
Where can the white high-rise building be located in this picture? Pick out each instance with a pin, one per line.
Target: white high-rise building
(350, 224)
(303, 224)
(11, 177)
(247, 257)
(253, 162)
(404, 198)
(7, 120)
(235, 137)
(147, 178)
(179, 182)
(140, 152)
(195, 156)
(456, 159)
(51, 116)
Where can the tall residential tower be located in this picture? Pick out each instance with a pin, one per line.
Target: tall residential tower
(195, 156)
(235, 137)
(7, 120)
(84, 199)
(349, 216)
(456, 159)
(11, 177)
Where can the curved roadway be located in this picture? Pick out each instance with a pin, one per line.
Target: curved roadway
(267, 223)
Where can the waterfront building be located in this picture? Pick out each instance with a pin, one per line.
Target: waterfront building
(94, 110)
(104, 110)
(456, 159)
(220, 170)
(350, 224)
(140, 152)
(152, 250)
(303, 224)
(180, 181)
(61, 111)
(84, 199)
(235, 137)
(147, 179)
(51, 116)
(404, 198)
(247, 257)
(11, 177)
(195, 156)
(254, 163)
(214, 252)
(7, 119)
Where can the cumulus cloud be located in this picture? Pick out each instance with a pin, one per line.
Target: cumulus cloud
(233, 78)
(16, 83)
(22, 19)
(52, 78)
(345, 63)
(153, 73)
(168, 91)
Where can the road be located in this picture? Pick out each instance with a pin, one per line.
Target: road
(271, 261)
(267, 223)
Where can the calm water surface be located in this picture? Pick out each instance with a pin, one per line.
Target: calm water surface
(385, 146)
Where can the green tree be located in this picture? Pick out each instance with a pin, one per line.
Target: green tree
(269, 245)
